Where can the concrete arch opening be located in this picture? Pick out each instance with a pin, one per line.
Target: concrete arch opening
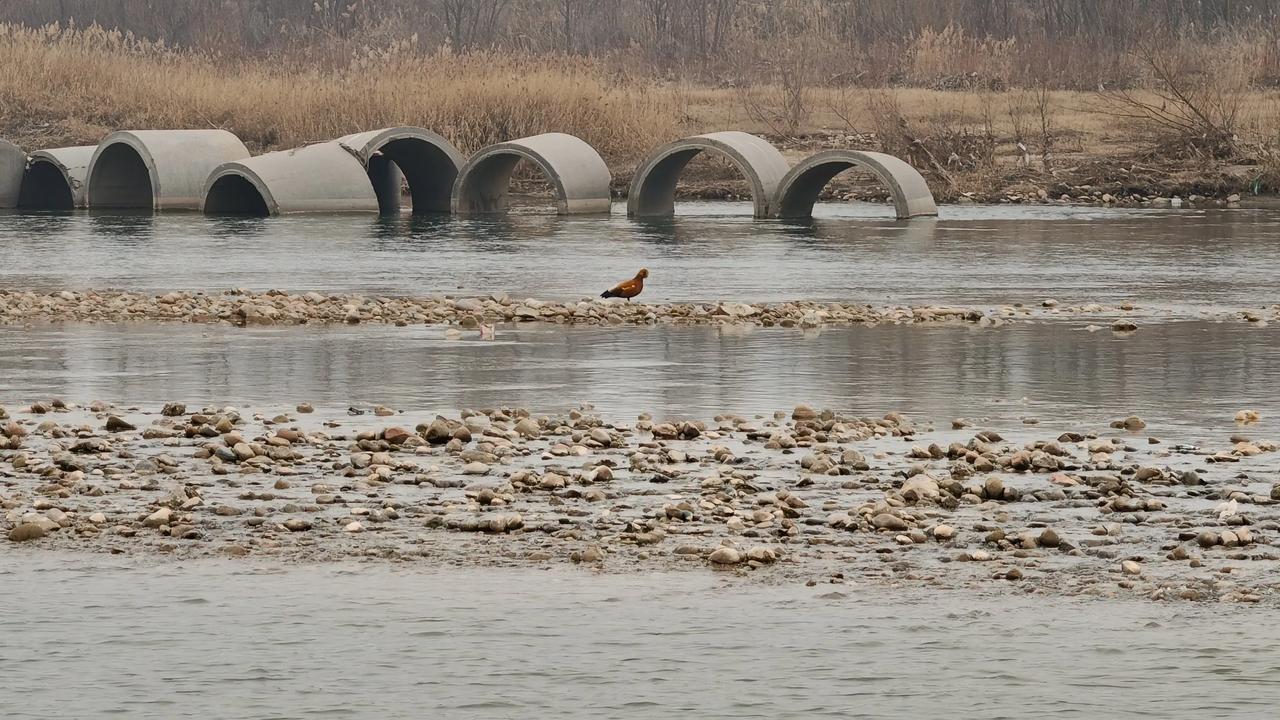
(55, 179)
(423, 160)
(119, 178)
(320, 178)
(157, 169)
(235, 194)
(802, 186)
(575, 170)
(653, 189)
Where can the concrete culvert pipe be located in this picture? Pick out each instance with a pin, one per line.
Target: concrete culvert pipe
(55, 179)
(158, 169)
(576, 171)
(426, 161)
(13, 163)
(653, 189)
(325, 177)
(801, 187)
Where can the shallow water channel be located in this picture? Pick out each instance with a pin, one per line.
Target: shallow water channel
(1185, 378)
(971, 255)
(98, 637)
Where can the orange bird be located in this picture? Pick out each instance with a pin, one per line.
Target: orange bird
(629, 288)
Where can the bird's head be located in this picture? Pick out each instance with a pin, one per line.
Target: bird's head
(644, 273)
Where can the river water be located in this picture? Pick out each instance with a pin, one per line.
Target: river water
(98, 637)
(1186, 378)
(90, 637)
(973, 255)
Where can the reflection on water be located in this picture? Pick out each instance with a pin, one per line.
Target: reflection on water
(849, 252)
(1194, 375)
(252, 642)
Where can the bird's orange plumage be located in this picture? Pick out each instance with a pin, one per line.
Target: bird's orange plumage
(629, 288)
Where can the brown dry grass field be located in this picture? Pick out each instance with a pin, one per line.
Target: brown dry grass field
(72, 86)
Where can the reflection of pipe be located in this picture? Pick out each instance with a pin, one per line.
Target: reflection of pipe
(578, 173)
(13, 163)
(55, 179)
(800, 189)
(158, 169)
(325, 177)
(653, 189)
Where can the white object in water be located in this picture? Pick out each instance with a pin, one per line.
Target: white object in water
(1175, 201)
(486, 332)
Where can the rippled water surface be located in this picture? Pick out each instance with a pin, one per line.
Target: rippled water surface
(1191, 375)
(93, 637)
(851, 252)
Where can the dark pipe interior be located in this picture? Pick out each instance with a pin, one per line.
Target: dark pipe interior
(428, 170)
(657, 196)
(120, 180)
(235, 195)
(44, 187)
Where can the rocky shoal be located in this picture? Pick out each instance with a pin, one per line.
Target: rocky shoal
(808, 495)
(240, 307)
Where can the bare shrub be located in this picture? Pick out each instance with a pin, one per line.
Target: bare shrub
(785, 105)
(1190, 105)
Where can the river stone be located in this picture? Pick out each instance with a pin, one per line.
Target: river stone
(993, 488)
(158, 518)
(804, 412)
(116, 424)
(725, 556)
(26, 531)
(920, 487)
(889, 521)
(944, 532)
(475, 468)
(601, 436)
(1207, 539)
(297, 524)
(1049, 538)
(1130, 567)
(528, 428)
(761, 554)
(438, 432)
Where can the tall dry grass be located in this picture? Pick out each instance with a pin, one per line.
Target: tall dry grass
(68, 85)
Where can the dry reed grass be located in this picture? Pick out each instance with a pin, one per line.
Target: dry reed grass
(74, 85)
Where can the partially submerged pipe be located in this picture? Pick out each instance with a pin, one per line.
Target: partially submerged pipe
(427, 161)
(574, 168)
(653, 188)
(55, 179)
(325, 177)
(158, 169)
(802, 186)
(13, 163)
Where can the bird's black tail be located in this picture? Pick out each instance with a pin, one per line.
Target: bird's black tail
(607, 294)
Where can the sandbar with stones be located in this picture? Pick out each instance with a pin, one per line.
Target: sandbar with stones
(804, 495)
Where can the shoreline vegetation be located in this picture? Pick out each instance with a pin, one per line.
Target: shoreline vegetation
(1192, 114)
